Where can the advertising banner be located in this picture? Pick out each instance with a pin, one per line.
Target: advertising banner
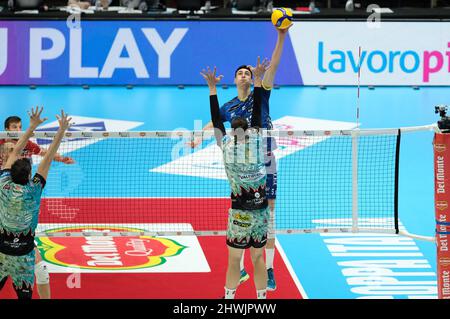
(174, 52)
(442, 199)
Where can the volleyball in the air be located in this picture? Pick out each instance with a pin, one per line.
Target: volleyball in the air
(282, 18)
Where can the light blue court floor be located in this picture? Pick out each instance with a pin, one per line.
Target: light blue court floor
(325, 265)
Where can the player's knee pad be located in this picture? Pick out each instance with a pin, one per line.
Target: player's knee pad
(41, 272)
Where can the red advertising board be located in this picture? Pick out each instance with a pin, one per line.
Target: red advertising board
(442, 200)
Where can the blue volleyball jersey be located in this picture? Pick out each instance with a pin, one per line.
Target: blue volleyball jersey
(237, 108)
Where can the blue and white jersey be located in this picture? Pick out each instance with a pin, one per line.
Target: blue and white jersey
(237, 108)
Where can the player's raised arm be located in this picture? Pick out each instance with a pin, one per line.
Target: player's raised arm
(64, 123)
(212, 80)
(35, 121)
(258, 73)
(269, 76)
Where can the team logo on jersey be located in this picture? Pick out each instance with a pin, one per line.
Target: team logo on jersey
(106, 252)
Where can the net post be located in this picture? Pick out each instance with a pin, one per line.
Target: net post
(355, 134)
(441, 146)
(396, 182)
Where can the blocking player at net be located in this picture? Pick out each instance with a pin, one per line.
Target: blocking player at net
(14, 124)
(242, 106)
(40, 267)
(245, 168)
(20, 197)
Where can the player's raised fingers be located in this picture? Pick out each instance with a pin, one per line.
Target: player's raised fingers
(40, 111)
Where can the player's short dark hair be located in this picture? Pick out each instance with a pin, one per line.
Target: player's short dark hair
(239, 122)
(243, 66)
(20, 171)
(12, 119)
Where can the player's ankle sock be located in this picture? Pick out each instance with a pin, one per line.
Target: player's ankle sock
(229, 293)
(270, 253)
(261, 294)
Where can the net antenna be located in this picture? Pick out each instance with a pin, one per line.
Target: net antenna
(359, 84)
(355, 135)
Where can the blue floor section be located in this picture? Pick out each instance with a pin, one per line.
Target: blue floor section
(319, 261)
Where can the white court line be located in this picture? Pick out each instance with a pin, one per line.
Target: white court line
(291, 270)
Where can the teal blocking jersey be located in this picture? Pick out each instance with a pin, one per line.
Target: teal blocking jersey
(246, 171)
(19, 204)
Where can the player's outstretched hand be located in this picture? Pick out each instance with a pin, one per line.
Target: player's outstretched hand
(210, 77)
(260, 68)
(64, 120)
(285, 30)
(35, 116)
(68, 160)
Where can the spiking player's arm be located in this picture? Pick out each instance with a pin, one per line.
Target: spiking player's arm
(212, 80)
(269, 76)
(64, 123)
(35, 121)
